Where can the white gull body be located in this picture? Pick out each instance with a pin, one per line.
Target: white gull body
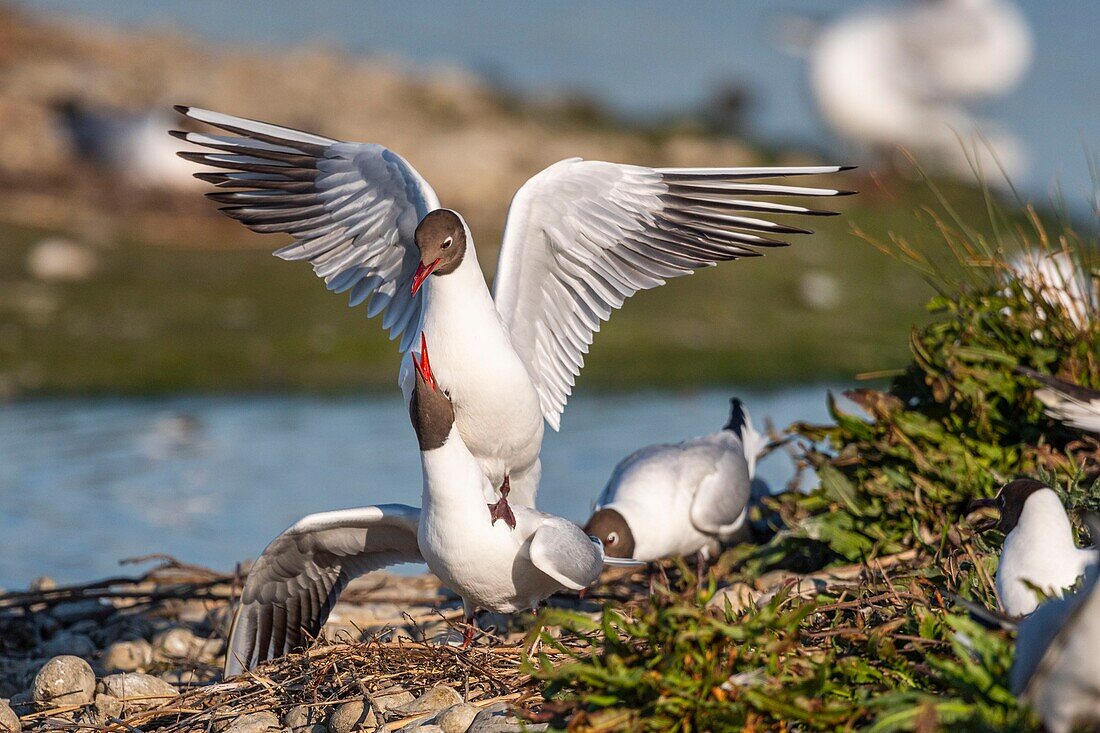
(581, 237)
(1039, 551)
(1056, 669)
(683, 498)
(295, 583)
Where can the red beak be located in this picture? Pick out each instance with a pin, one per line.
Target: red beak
(422, 272)
(423, 367)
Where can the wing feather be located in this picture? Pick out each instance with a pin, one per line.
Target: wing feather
(583, 236)
(352, 208)
(294, 584)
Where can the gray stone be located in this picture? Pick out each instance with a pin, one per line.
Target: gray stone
(386, 700)
(305, 719)
(64, 680)
(356, 715)
(71, 612)
(77, 645)
(127, 656)
(423, 728)
(264, 722)
(107, 706)
(137, 691)
(498, 718)
(9, 721)
(435, 699)
(457, 718)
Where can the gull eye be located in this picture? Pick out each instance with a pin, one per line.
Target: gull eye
(447, 243)
(612, 538)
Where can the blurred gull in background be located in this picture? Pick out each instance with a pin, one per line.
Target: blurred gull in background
(133, 145)
(885, 78)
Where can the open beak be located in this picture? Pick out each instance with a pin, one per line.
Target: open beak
(422, 365)
(422, 272)
(985, 524)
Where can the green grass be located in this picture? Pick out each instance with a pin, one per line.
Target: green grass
(162, 318)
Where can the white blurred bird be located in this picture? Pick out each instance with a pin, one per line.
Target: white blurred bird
(135, 146)
(1056, 669)
(679, 499)
(1060, 281)
(900, 77)
(1039, 550)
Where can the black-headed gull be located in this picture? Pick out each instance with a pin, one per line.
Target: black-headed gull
(1039, 550)
(294, 584)
(678, 499)
(1067, 402)
(581, 237)
(1056, 669)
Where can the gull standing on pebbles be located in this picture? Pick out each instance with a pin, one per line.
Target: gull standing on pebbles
(294, 584)
(581, 237)
(1039, 549)
(679, 499)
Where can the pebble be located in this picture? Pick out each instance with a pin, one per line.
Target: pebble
(356, 715)
(138, 691)
(9, 721)
(61, 260)
(107, 706)
(264, 722)
(305, 719)
(434, 700)
(386, 700)
(739, 595)
(76, 645)
(64, 680)
(71, 612)
(457, 718)
(498, 718)
(127, 656)
(181, 643)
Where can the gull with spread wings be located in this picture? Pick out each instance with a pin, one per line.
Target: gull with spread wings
(581, 237)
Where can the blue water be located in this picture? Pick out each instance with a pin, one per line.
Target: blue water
(649, 56)
(210, 480)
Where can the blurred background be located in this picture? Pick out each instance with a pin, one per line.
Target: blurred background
(168, 386)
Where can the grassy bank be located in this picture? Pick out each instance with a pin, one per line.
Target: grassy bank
(204, 313)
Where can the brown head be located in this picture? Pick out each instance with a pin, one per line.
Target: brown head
(611, 529)
(1009, 502)
(430, 408)
(441, 239)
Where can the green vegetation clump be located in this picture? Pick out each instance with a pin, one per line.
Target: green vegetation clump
(875, 638)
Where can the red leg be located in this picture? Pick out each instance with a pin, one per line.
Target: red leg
(501, 510)
(468, 635)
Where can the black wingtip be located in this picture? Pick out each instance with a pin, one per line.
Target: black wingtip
(846, 193)
(183, 109)
(737, 416)
(178, 134)
(841, 169)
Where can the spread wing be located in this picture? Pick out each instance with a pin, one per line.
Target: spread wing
(582, 236)
(294, 584)
(352, 208)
